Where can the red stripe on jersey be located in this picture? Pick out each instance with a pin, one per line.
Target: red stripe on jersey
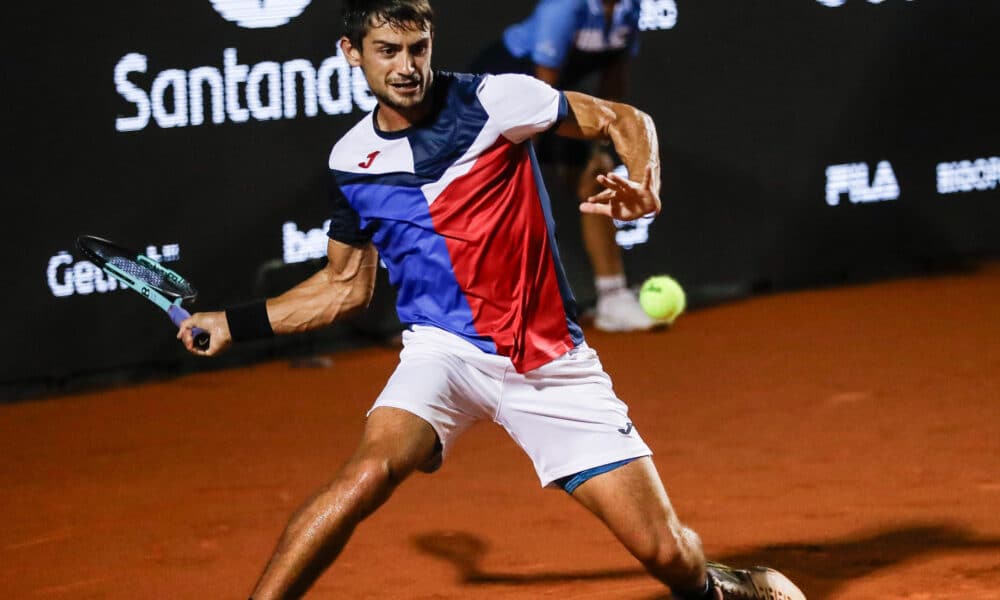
(492, 221)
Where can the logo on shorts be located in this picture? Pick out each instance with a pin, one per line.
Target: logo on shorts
(257, 14)
(627, 429)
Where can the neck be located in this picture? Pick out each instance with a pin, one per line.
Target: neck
(390, 118)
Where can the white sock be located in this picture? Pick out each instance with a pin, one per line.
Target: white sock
(607, 284)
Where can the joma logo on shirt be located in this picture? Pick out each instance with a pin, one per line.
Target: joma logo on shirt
(371, 159)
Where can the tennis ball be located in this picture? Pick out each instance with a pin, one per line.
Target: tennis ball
(662, 298)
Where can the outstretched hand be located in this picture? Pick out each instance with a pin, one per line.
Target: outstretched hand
(215, 324)
(622, 198)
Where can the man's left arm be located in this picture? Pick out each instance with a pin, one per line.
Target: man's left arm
(634, 137)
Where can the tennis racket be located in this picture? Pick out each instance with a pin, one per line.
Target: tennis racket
(153, 281)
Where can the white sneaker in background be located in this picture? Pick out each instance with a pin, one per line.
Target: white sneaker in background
(619, 310)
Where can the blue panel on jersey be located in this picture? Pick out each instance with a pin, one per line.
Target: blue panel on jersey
(563, 109)
(459, 118)
(455, 128)
(407, 243)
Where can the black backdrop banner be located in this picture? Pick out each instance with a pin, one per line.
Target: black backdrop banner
(803, 142)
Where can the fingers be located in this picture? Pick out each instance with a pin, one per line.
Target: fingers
(217, 328)
(590, 208)
(186, 335)
(614, 185)
(616, 182)
(623, 198)
(602, 197)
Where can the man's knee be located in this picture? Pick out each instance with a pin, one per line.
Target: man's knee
(406, 442)
(671, 550)
(658, 551)
(370, 475)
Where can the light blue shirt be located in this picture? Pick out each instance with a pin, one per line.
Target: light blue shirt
(558, 27)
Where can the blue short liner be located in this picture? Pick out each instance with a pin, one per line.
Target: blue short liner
(570, 483)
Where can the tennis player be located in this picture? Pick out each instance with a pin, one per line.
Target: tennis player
(440, 181)
(565, 43)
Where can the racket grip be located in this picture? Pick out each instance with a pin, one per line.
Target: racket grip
(201, 337)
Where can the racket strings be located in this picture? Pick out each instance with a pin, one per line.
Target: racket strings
(137, 271)
(117, 258)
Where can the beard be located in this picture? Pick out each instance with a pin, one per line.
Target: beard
(398, 100)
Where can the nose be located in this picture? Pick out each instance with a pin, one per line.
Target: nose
(406, 63)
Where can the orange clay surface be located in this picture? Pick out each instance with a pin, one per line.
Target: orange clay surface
(849, 437)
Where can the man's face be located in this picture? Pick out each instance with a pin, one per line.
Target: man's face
(396, 62)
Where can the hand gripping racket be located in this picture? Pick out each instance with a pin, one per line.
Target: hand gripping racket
(153, 281)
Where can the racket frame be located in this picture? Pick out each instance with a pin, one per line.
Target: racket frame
(173, 308)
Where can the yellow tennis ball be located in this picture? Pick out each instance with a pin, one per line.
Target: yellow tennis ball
(662, 298)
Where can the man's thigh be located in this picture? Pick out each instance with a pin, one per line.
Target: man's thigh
(567, 418)
(444, 381)
(633, 504)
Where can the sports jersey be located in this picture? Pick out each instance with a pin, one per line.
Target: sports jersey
(558, 28)
(457, 209)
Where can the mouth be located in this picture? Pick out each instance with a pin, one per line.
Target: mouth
(406, 87)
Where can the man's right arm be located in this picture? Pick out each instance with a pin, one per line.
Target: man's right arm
(634, 137)
(344, 285)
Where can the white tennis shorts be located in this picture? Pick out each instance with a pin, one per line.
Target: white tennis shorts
(564, 414)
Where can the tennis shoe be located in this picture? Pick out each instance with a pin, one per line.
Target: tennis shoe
(620, 311)
(755, 583)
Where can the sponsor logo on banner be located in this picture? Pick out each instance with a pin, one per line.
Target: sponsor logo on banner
(68, 277)
(178, 98)
(657, 14)
(299, 246)
(976, 175)
(256, 14)
(836, 3)
(633, 233)
(234, 92)
(855, 180)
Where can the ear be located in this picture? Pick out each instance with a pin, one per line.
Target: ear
(351, 53)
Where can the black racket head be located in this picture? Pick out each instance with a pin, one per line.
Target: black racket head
(103, 252)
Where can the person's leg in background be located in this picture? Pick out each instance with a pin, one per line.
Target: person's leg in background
(617, 308)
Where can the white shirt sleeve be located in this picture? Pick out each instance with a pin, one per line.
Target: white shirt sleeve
(520, 105)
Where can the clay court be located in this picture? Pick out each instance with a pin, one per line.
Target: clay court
(849, 437)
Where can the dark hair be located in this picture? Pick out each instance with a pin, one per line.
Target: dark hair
(360, 15)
